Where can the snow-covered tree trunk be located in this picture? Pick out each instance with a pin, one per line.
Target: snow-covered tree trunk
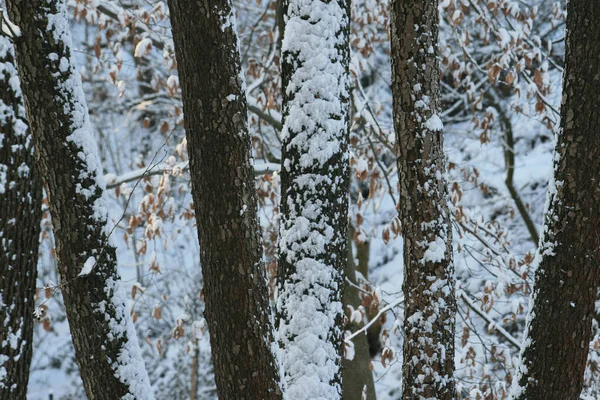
(20, 215)
(559, 323)
(225, 201)
(428, 287)
(314, 196)
(104, 338)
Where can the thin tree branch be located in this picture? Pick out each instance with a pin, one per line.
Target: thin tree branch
(138, 174)
(273, 121)
(493, 325)
(374, 319)
(509, 162)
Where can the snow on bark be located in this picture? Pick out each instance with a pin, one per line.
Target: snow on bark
(128, 366)
(75, 105)
(20, 214)
(314, 197)
(428, 287)
(105, 341)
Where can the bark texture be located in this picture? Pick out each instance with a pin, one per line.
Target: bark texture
(215, 117)
(314, 196)
(428, 287)
(106, 346)
(20, 215)
(566, 280)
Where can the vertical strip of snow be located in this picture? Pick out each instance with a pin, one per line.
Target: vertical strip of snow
(312, 245)
(75, 105)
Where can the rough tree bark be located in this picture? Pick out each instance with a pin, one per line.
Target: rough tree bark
(20, 215)
(566, 280)
(314, 196)
(428, 287)
(215, 117)
(104, 338)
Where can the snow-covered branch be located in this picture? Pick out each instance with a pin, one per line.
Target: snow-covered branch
(493, 325)
(113, 182)
(375, 319)
(7, 28)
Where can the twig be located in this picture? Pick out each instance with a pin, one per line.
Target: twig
(273, 121)
(374, 319)
(159, 169)
(509, 161)
(493, 324)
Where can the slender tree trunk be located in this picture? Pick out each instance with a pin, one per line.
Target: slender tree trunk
(363, 254)
(357, 377)
(194, 375)
(314, 196)
(215, 116)
(104, 338)
(20, 215)
(428, 287)
(566, 280)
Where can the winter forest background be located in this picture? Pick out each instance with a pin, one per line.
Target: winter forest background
(501, 63)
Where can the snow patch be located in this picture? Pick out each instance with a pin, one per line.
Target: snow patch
(88, 266)
(434, 123)
(143, 47)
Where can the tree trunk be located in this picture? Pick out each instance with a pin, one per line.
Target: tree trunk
(104, 338)
(566, 280)
(357, 377)
(20, 215)
(314, 196)
(215, 117)
(430, 305)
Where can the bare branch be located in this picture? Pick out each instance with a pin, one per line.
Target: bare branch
(493, 325)
(162, 168)
(374, 319)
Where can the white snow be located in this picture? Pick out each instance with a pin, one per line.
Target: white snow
(3, 178)
(434, 123)
(129, 367)
(143, 47)
(81, 128)
(173, 81)
(435, 251)
(88, 266)
(505, 37)
(8, 27)
(309, 299)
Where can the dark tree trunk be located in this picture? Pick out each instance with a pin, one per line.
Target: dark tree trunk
(103, 335)
(566, 280)
(314, 196)
(428, 287)
(215, 116)
(20, 215)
